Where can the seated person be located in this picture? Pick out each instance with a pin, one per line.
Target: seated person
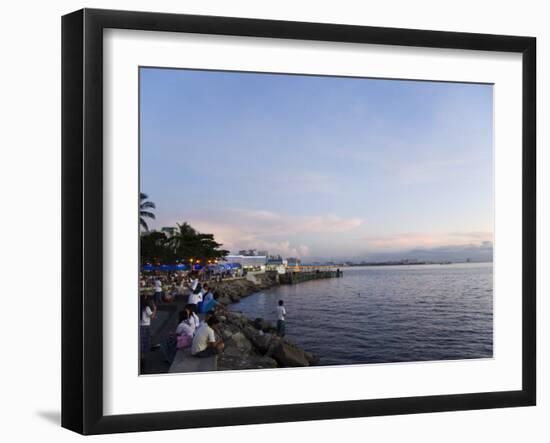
(186, 325)
(193, 317)
(205, 343)
(185, 330)
(171, 296)
(211, 302)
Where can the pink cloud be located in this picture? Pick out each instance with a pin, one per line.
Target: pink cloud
(262, 229)
(416, 240)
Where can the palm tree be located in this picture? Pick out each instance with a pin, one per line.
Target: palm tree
(184, 240)
(144, 204)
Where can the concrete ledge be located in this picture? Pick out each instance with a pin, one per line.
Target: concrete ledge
(185, 362)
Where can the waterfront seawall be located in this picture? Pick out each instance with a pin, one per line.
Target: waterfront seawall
(291, 278)
(233, 290)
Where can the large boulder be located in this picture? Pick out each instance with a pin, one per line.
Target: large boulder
(263, 342)
(231, 361)
(263, 325)
(238, 344)
(236, 318)
(288, 355)
(311, 358)
(225, 299)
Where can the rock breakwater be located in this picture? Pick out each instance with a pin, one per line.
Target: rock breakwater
(253, 344)
(231, 291)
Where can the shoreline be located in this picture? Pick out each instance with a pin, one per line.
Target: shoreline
(232, 291)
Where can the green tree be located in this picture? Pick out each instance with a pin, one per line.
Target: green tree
(187, 243)
(154, 248)
(144, 206)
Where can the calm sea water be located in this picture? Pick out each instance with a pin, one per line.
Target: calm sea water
(388, 313)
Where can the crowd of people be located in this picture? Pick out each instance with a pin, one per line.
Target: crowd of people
(199, 300)
(191, 332)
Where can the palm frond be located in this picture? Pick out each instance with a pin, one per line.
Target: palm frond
(147, 205)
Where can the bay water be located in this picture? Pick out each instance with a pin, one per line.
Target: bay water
(382, 314)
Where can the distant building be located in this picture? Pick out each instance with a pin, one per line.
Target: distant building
(248, 252)
(275, 260)
(256, 262)
(276, 263)
(292, 261)
(266, 253)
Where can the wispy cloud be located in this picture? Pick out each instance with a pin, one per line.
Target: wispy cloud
(407, 241)
(263, 229)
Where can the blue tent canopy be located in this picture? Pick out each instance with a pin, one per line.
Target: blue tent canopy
(166, 268)
(223, 266)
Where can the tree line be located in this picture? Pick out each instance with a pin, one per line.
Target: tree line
(185, 245)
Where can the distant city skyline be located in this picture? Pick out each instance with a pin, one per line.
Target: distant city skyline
(320, 167)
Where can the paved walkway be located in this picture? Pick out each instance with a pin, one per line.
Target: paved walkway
(161, 326)
(185, 362)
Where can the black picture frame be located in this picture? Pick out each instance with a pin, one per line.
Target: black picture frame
(82, 218)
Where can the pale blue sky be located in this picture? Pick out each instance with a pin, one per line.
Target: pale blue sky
(321, 167)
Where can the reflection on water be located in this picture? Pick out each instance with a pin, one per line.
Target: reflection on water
(388, 313)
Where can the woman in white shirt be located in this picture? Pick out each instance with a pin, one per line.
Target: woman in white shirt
(186, 324)
(185, 330)
(193, 318)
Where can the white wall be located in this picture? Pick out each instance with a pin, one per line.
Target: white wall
(30, 221)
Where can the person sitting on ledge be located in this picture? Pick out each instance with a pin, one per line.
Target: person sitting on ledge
(193, 317)
(205, 343)
(186, 325)
(205, 293)
(211, 303)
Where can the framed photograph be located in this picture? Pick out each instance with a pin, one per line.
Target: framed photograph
(268, 221)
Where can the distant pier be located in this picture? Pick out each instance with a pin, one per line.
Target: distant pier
(291, 278)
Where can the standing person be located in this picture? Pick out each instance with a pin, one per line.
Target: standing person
(281, 313)
(194, 281)
(146, 315)
(194, 298)
(205, 343)
(158, 290)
